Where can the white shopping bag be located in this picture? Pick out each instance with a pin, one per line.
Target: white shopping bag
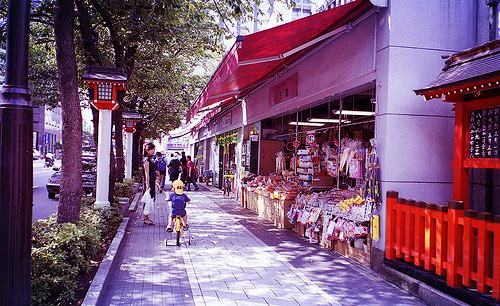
(146, 196)
(148, 202)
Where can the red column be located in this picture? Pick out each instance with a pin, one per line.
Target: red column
(483, 251)
(455, 211)
(419, 234)
(441, 239)
(496, 258)
(469, 241)
(409, 230)
(430, 236)
(390, 226)
(400, 227)
(460, 174)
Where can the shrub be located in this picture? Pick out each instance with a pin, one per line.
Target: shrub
(87, 201)
(62, 252)
(125, 189)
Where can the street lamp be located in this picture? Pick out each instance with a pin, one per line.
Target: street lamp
(104, 84)
(130, 119)
(16, 165)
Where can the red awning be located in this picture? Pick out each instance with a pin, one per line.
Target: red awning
(255, 57)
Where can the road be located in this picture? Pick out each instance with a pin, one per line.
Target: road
(43, 207)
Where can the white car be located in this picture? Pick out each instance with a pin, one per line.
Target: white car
(36, 154)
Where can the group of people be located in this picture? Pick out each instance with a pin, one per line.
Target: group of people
(178, 167)
(181, 171)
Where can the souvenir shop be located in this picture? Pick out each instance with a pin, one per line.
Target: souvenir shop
(320, 175)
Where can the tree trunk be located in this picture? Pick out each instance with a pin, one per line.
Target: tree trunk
(112, 175)
(120, 160)
(136, 153)
(95, 123)
(71, 185)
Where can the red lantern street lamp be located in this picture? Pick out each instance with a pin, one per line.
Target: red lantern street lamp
(130, 119)
(104, 84)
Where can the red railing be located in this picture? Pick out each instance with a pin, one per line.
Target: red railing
(461, 245)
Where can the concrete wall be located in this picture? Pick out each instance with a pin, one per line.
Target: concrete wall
(415, 138)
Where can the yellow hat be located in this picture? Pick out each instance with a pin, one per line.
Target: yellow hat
(178, 186)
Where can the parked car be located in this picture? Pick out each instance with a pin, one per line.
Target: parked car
(89, 177)
(36, 154)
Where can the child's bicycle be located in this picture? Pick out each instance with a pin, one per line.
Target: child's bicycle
(179, 232)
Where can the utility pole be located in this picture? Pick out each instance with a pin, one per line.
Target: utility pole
(16, 162)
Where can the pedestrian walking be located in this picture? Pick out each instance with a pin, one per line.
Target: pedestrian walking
(149, 182)
(184, 167)
(174, 168)
(161, 166)
(191, 174)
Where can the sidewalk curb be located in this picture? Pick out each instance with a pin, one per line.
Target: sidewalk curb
(135, 201)
(101, 276)
(426, 293)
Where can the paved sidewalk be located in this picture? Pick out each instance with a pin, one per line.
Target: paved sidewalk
(235, 258)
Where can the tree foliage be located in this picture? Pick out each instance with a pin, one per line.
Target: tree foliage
(164, 46)
(161, 45)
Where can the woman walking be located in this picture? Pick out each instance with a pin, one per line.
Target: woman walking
(149, 180)
(191, 174)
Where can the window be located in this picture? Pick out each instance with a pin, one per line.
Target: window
(105, 91)
(484, 190)
(494, 18)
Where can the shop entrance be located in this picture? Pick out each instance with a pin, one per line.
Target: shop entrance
(227, 162)
(319, 174)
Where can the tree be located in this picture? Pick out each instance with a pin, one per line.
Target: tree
(71, 184)
(160, 45)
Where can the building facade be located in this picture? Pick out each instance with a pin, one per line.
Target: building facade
(371, 60)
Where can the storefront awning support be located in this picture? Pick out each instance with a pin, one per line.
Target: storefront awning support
(339, 139)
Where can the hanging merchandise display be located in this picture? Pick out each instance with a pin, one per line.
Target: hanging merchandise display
(280, 162)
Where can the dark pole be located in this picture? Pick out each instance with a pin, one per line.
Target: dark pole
(493, 19)
(16, 163)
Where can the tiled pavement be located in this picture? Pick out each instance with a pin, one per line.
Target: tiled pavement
(235, 258)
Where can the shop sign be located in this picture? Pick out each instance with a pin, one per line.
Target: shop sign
(284, 90)
(310, 138)
(176, 146)
(228, 138)
(484, 128)
(226, 120)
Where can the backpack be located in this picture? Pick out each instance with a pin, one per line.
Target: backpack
(161, 165)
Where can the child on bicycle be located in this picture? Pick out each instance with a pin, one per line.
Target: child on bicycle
(178, 201)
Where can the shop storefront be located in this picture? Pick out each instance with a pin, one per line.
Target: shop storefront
(322, 174)
(327, 122)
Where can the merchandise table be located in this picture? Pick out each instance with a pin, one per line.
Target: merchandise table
(273, 210)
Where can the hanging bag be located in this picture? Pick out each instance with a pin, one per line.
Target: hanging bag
(148, 202)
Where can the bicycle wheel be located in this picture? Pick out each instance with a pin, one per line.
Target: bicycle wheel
(224, 189)
(178, 230)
